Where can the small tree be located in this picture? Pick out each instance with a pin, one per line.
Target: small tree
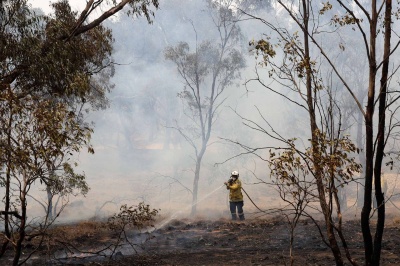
(290, 175)
(207, 72)
(131, 218)
(41, 135)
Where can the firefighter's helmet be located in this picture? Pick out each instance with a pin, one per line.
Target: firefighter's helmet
(235, 174)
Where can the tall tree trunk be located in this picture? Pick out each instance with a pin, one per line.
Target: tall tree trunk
(314, 142)
(369, 140)
(199, 158)
(49, 202)
(6, 213)
(381, 137)
(361, 157)
(7, 184)
(22, 224)
(196, 184)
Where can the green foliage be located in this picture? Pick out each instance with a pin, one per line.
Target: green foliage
(132, 217)
(48, 74)
(141, 8)
(38, 60)
(51, 67)
(42, 54)
(40, 135)
(208, 63)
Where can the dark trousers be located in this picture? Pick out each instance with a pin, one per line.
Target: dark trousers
(239, 206)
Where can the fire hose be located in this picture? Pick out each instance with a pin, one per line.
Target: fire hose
(252, 201)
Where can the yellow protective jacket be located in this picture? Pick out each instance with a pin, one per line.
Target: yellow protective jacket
(235, 191)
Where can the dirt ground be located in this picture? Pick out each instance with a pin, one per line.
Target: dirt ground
(210, 242)
(259, 242)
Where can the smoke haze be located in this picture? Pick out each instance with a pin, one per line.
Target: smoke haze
(140, 156)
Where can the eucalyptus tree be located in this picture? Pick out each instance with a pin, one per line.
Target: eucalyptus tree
(207, 70)
(302, 45)
(40, 136)
(51, 66)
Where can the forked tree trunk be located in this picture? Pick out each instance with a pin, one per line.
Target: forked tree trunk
(369, 153)
(373, 247)
(381, 137)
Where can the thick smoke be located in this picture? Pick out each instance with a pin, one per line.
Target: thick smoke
(139, 154)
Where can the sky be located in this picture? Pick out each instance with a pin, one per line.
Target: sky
(45, 4)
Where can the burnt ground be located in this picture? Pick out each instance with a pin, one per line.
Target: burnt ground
(213, 242)
(258, 242)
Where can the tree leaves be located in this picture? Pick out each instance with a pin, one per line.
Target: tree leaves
(264, 48)
(134, 217)
(331, 155)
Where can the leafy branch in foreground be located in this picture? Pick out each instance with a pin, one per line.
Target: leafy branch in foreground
(131, 218)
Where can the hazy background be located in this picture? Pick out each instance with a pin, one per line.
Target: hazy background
(139, 158)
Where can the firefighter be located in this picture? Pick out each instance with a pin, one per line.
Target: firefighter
(235, 196)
